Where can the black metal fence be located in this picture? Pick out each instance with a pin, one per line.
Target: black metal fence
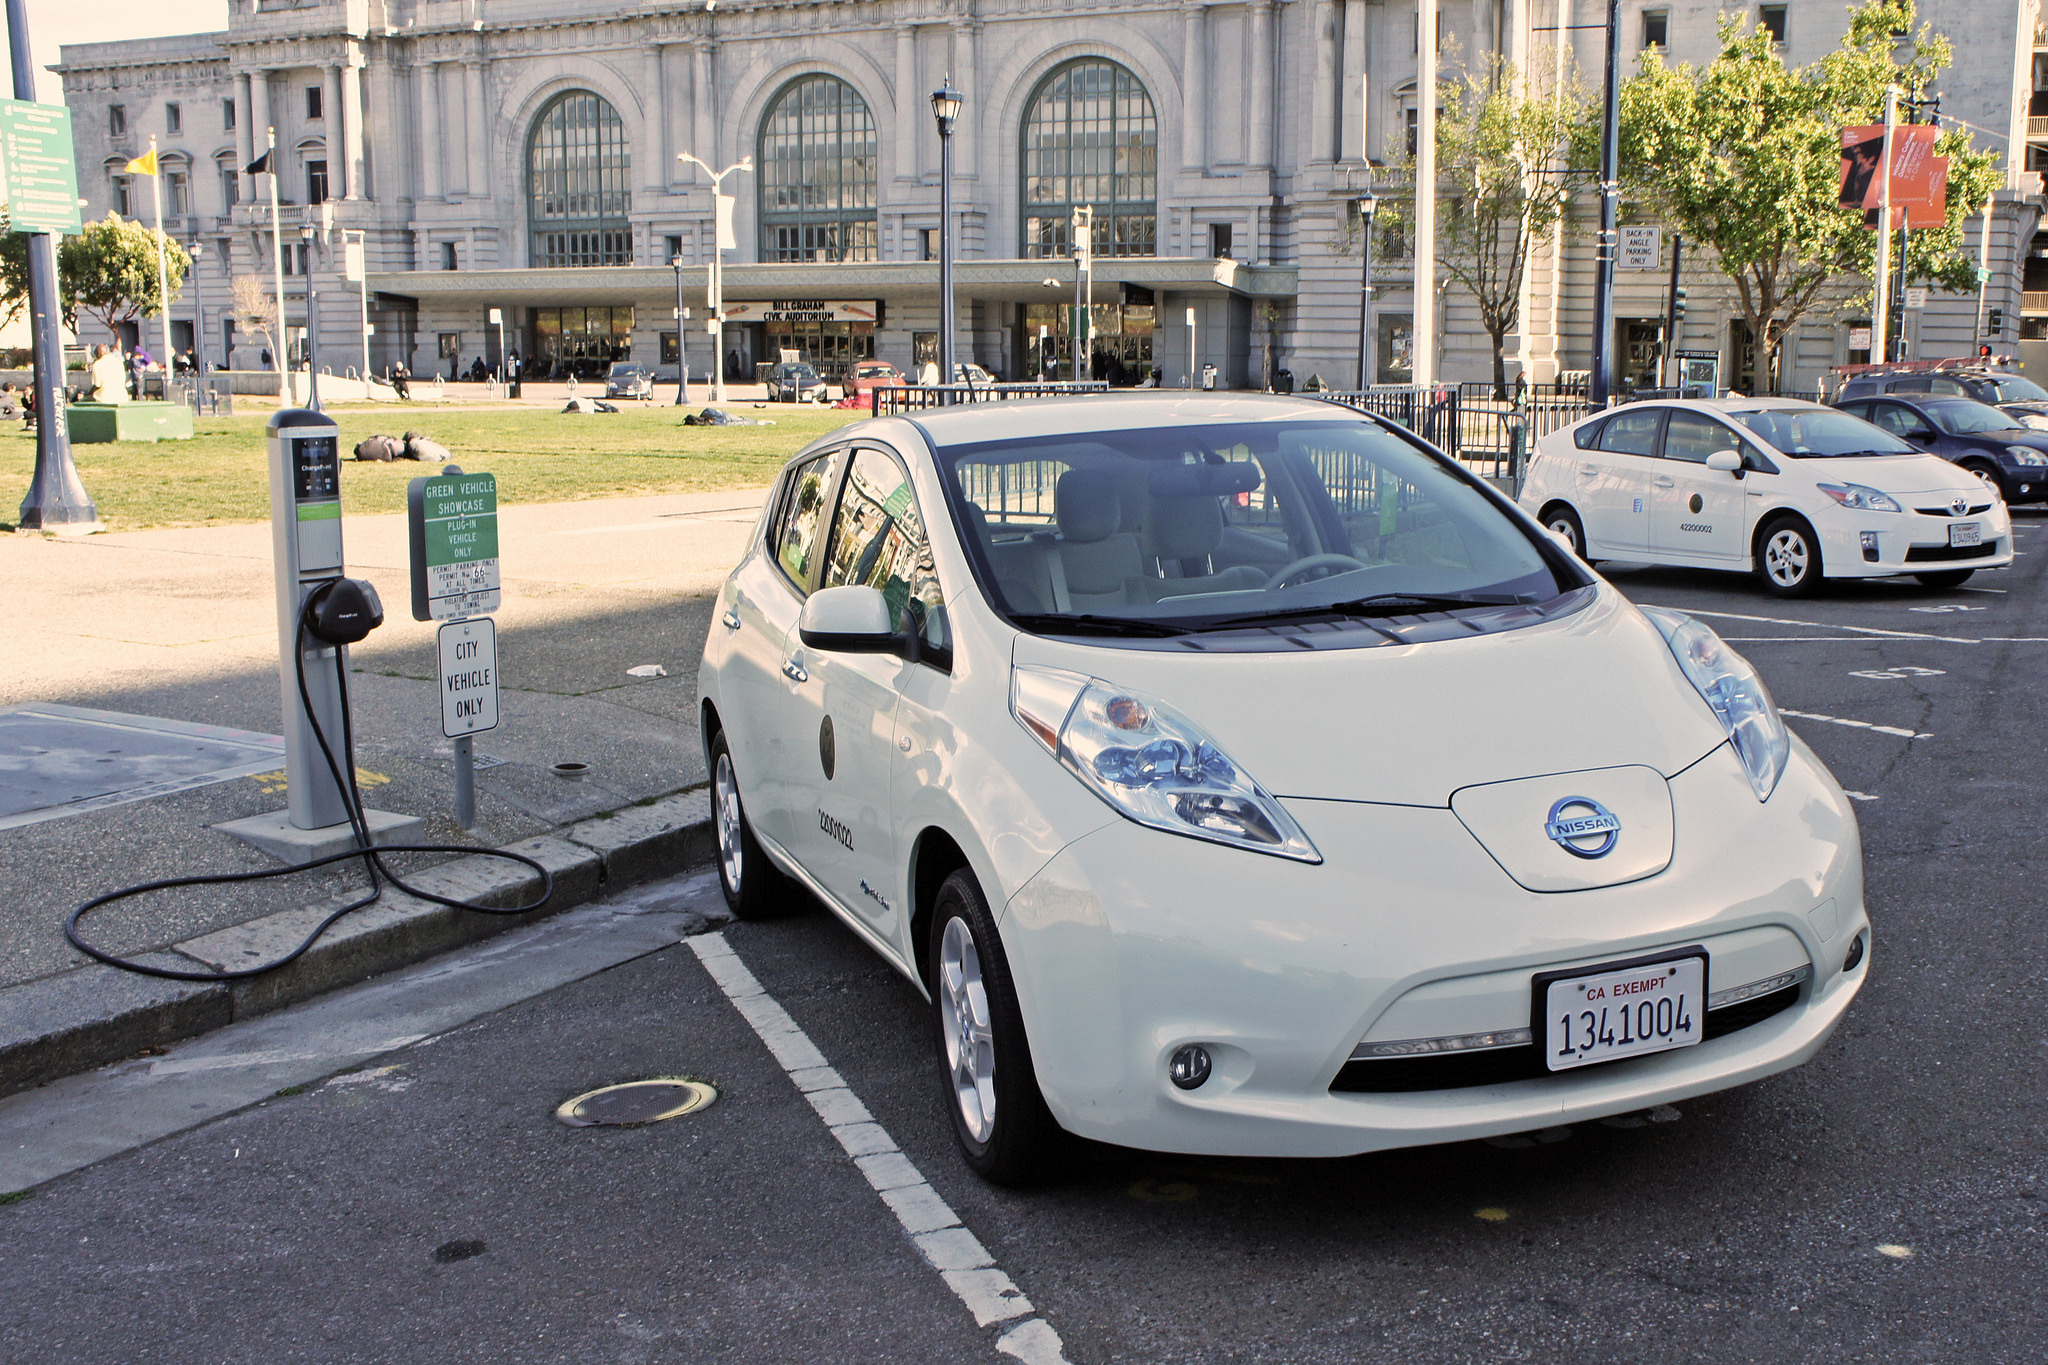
(891, 399)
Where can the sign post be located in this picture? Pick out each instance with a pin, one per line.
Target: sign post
(452, 524)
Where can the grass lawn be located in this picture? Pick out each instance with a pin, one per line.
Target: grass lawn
(539, 455)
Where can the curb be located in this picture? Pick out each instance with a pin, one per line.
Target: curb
(93, 1015)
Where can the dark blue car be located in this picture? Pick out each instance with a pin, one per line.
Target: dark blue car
(2011, 458)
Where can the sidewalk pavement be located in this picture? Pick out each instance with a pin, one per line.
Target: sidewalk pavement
(180, 624)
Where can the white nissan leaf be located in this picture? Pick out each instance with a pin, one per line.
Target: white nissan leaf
(1794, 492)
(1239, 775)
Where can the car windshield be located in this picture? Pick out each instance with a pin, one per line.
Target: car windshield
(799, 372)
(1191, 528)
(1815, 433)
(624, 371)
(2013, 389)
(1962, 417)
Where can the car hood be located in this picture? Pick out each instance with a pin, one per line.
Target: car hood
(1411, 724)
(1899, 475)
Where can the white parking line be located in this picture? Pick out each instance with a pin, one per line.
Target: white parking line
(1826, 625)
(1836, 720)
(959, 1257)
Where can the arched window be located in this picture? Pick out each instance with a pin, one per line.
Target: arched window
(1090, 137)
(817, 173)
(577, 164)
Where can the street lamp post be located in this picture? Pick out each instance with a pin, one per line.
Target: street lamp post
(309, 234)
(1082, 229)
(945, 109)
(1367, 207)
(1610, 201)
(197, 251)
(721, 242)
(682, 338)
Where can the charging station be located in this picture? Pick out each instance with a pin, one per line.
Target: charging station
(307, 561)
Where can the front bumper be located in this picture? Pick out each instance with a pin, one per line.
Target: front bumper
(1131, 943)
(1877, 544)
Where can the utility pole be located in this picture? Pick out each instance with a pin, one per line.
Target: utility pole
(56, 500)
(1610, 197)
(1671, 311)
(1881, 292)
(1423, 371)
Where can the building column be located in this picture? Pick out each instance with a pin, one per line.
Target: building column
(1194, 94)
(246, 132)
(477, 130)
(427, 75)
(703, 138)
(1351, 97)
(966, 47)
(332, 131)
(259, 123)
(1259, 145)
(352, 128)
(1322, 127)
(654, 154)
(908, 100)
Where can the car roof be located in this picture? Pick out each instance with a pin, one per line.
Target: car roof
(1719, 407)
(971, 423)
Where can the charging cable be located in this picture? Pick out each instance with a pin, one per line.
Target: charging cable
(327, 609)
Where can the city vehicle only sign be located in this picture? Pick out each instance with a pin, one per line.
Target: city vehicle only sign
(452, 520)
(469, 677)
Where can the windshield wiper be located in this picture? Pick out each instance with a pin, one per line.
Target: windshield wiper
(1087, 623)
(1364, 609)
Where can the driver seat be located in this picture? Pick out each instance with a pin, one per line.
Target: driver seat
(1188, 529)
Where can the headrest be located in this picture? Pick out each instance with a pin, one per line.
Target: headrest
(1186, 528)
(1205, 480)
(1086, 505)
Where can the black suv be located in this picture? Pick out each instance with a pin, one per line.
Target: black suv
(2018, 398)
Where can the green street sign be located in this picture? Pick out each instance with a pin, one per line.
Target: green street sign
(452, 523)
(36, 164)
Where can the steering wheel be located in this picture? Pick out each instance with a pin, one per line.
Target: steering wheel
(1305, 568)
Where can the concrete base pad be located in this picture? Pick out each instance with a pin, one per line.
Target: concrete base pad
(276, 835)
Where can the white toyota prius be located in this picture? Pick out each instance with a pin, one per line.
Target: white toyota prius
(1789, 490)
(1238, 775)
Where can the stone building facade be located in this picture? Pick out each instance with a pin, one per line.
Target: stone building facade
(523, 156)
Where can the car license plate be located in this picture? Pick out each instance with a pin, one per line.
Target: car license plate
(1624, 1009)
(1966, 533)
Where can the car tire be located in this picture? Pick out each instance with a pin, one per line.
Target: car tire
(1945, 578)
(1788, 561)
(1565, 522)
(1000, 1121)
(1989, 474)
(754, 887)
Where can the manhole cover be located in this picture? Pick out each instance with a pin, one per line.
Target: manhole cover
(636, 1102)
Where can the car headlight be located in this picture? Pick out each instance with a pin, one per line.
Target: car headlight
(2038, 421)
(2026, 455)
(1735, 694)
(1859, 497)
(1151, 763)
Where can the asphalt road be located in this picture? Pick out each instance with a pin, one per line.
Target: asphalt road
(1884, 1203)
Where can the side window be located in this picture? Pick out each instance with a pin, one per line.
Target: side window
(1918, 383)
(1856, 409)
(1587, 435)
(1632, 433)
(1942, 384)
(1893, 418)
(1691, 437)
(795, 536)
(879, 540)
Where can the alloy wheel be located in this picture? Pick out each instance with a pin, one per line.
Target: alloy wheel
(1570, 532)
(726, 796)
(1787, 558)
(970, 1036)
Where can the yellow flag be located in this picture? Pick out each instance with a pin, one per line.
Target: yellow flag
(144, 164)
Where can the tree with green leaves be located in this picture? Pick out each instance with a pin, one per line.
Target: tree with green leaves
(1743, 156)
(109, 270)
(1503, 160)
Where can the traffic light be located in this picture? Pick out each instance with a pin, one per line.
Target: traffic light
(1678, 303)
(1997, 322)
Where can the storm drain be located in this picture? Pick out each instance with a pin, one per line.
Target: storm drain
(635, 1102)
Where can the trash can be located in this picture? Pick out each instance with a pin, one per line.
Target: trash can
(1283, 381)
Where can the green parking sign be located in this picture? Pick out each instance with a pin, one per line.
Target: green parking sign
(452, 522)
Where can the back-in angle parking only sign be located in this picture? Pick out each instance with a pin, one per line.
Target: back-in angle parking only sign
(469, 677)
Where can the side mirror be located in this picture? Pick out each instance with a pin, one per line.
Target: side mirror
(852, 620)
(1725, 462)
(1920, 436)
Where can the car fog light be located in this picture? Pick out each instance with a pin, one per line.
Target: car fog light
(1870, 546)
(1189, 1067)
(1855, 957)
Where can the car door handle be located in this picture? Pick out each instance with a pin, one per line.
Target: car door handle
(731, 619)
(794, 671)
(1665, 481)
(1588, 467)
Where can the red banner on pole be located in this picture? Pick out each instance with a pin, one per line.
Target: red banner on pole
(1919, 177)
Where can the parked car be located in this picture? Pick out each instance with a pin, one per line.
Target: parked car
(872, 374)
(1211, 836)
(2015, 395)
(967, 372)
(1788, 490)
(2010, 459)
(628, 380)
(795, 381)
